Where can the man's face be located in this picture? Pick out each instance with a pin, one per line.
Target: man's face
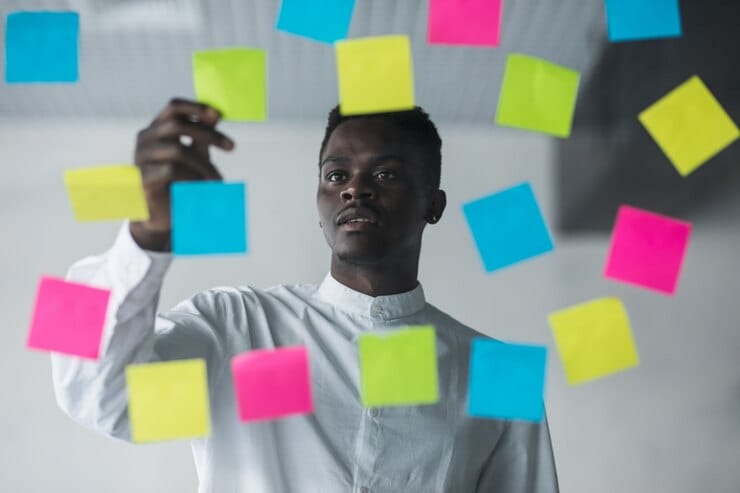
(373, 194)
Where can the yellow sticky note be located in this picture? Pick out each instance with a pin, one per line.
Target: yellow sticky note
(232, 80)
(168, 400)
(594, 339)
(689, 125)
(106, 192)
(374, 75)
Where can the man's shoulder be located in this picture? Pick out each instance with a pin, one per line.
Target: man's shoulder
(251, 294)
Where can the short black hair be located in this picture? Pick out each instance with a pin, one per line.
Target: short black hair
(415, 122)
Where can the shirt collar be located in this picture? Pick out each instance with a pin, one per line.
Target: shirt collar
(380, 307)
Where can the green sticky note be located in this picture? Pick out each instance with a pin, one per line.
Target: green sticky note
(106, 192)
(399, 368)
(168, 400)
(537, 95)
(234, 81)
(689, 125)
(375, 75)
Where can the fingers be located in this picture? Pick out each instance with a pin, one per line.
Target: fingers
(179, 108)
(175, 159)
(171, 130)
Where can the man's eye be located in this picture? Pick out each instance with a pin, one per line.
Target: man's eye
(335, 176)
(385, 175)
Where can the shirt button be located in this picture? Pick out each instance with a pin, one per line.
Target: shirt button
(375, 311)
(374, 412)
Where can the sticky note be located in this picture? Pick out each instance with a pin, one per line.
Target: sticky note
(208, 218)
(42, 47)
(506, 381)
(374, 75)
(689, 125)
(168, 400)
(643, 19)
(594, 339)
(399, 368)
(647, 249)
(326, 21)
(471, 22)
(68, 318)
(106, 192)
(508, 227)
(232, 80)
(537, 95)
(272, 383)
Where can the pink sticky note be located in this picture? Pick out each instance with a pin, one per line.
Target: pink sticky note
(647, 249)
(68, 318)
(272, 383)
(465, 22)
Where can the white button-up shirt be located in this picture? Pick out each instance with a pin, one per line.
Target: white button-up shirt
(342, 446)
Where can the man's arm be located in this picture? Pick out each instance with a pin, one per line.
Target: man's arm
(174, 147)
(521, 462)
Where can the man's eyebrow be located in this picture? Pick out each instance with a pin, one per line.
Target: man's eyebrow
(333, 159)
(382, 158)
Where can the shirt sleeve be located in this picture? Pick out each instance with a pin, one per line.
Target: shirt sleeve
(521, 462)
(93, 393)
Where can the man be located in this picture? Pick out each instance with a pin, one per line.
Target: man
(378, 189)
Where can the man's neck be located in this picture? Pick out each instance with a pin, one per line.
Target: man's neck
(376, 280)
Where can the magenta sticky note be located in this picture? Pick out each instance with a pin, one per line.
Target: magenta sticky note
(647, 249)
(68, 318)
(465, 22)
(272, 383)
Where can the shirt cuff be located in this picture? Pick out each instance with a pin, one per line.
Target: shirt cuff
(130, 264)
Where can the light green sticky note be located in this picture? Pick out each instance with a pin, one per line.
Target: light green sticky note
(234, 81)
(399, 368)
(168, 400)
(106, 192)
(537, 95)
(689, 125)
(594, 339)
(375, 75)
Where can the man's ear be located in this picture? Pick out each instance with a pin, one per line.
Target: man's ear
(437, 204)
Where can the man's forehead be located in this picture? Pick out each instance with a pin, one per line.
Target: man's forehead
(367, 134)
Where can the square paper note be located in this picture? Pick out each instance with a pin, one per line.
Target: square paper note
(399, 368)
(42, 47)
(537, 95)
(643, 19)
(232, 80)
(375, 75)
(689, 125)
(326, 21)
(168, 400)
(508, 227)
(272, 384)
(594, 339)
(68, 318)
(106, 192)
(647, 249)
(208, 217)
(472, 22)
(507, 381)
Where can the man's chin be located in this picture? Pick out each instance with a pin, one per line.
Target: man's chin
(360, 257)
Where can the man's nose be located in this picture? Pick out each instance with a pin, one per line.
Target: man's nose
(358, 188)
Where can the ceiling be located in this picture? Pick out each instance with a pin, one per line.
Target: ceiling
(135, 55)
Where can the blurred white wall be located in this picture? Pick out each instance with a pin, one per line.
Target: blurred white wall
(672, 424)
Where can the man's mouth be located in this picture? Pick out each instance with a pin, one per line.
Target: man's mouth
(357, 217)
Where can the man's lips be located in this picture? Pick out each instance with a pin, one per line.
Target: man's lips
(356, 217)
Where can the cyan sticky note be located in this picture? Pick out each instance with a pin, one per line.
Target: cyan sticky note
(42, 47)
(68, 318)
(506, 381)
(508, 227)
(647, 249)
(208, 217)
(326, 21)
(630, 20)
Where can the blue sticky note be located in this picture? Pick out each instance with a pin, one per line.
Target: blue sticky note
(41, 47)
(506, 381)
(326, 20)
(208, 217)
(508, 227)
(643, 19)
